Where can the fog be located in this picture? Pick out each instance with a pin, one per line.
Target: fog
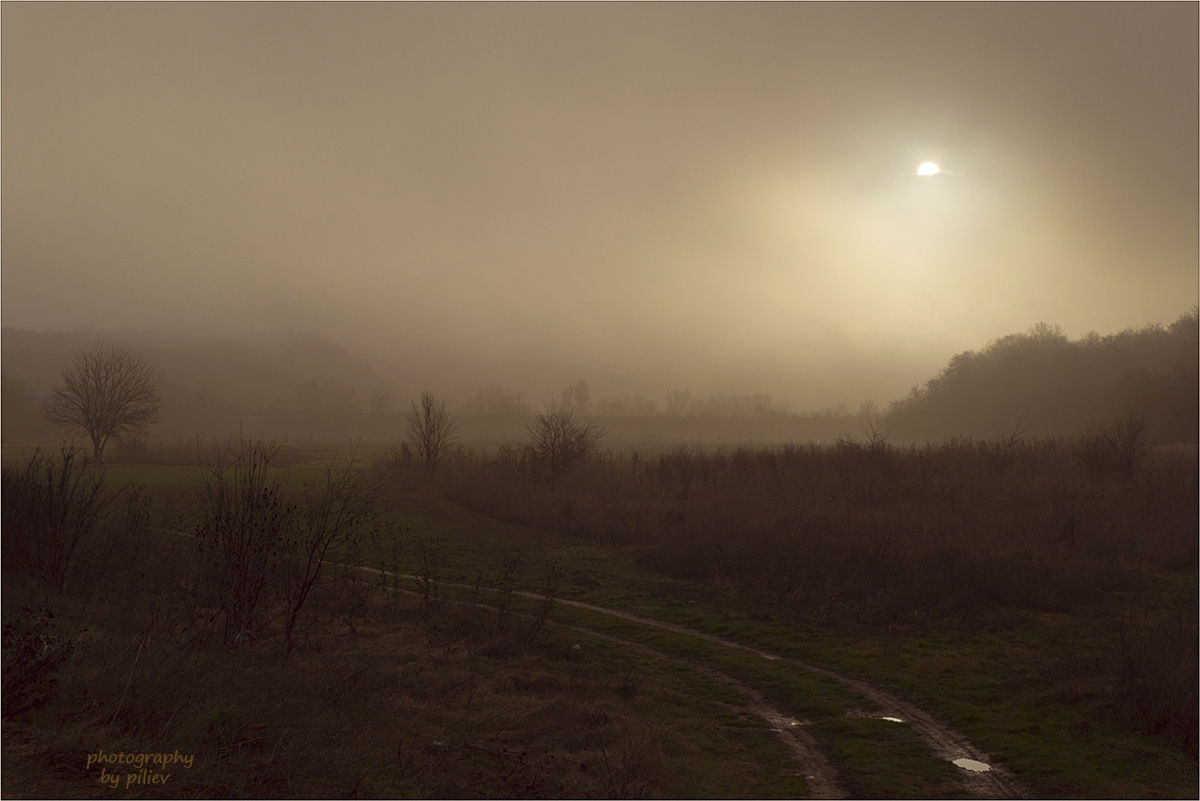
(721, 197)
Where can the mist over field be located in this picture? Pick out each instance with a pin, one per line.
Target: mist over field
(295, 387)
(650, 198)
(600, 400)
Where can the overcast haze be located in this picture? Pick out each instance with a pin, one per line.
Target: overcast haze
(722, 197)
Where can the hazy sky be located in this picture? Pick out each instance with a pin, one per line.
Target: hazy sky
(646, 196)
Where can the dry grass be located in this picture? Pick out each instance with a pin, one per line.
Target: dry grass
(380, 698)
(873, 536)
(378, 695)
(409, 695)
(881, 534)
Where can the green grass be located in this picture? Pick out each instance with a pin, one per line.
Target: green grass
(401, 706)
(881, 759)
(1023, 685)
(1017, 686)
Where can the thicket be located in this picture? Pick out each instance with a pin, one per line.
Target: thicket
(234, 641)
(253, 561)
(868, 534)
(61, 520)
(262, 548)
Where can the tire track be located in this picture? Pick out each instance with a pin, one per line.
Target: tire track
(820, 775)
(941, 738)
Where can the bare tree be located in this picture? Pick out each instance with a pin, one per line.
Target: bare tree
(107, 392)
(246, 519)
(1120, 445)
(1126, 439)
(874, 426)
(559, 442)
(335, 510)
(431, 429)
(54, 509)
(1007, 445)
(261, 547)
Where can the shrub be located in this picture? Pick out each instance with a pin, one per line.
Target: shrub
(56, 517)
(1158, 672)
(1119, 446)
(559, 442)
(34, 649)
(262, 548)
(240, 536)
(876, 536)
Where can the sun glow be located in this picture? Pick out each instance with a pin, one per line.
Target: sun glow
(928, 168)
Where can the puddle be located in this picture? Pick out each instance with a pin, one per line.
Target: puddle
(971, 764)
(858, 713)
(790, 723)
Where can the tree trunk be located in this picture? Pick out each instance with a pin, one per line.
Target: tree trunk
(98, 444)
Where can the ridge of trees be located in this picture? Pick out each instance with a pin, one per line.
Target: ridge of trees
(1054, 385)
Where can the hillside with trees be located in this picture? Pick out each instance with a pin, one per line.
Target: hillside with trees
(288, 386)
(1048, 385)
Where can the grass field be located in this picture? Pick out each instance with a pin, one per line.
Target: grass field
(443, 679)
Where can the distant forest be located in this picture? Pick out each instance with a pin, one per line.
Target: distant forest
(1039, 383)
(1048, 385)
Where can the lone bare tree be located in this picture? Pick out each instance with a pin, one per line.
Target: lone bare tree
(559, 442)
(108, 393)
(431, 429)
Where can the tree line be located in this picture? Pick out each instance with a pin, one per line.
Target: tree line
(1038, 381)
(1050, 385)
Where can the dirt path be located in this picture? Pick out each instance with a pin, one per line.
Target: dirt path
(942, 739)
(820, 775)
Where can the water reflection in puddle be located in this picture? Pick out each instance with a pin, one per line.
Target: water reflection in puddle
(858, 713)
(971, 764)
(789, 723)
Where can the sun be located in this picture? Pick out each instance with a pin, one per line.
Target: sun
(928, 168)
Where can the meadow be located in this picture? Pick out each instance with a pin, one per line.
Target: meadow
(479, 630)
